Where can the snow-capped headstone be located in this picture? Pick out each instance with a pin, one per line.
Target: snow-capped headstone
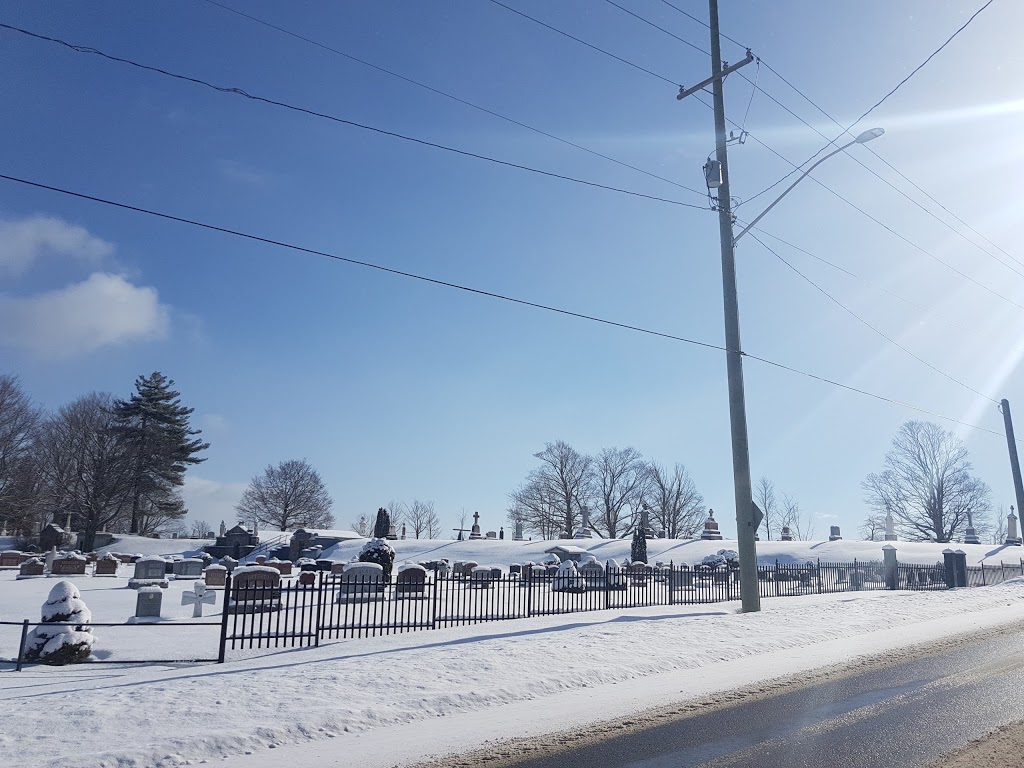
(149, 571)
(68, 564)
(198, 597)
(361, 581)
(834, 534)
(32, 568)
(215, 575)
(584, 532)
(148, 601)
(474, 532)
(106, 565)
(787, 534)
(190, 568)
(64, 636)
(254, 589)
(411, 581)
(568, 579)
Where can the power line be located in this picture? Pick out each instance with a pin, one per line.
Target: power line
(449, 95)
(881, 288)
(343, 121)
(789, 162)
(923, 64)
(831, 142)
(588, 45)
(477, 291)
(637, 16)
(703, 24)
(874, 328)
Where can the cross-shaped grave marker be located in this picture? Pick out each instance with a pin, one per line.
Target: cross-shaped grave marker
(197, 597)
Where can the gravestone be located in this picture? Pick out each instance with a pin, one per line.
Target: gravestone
(568, 579)
(261, 559)
(480, 577)
(592, 573)
(32, 568)
(1012, 539)
(197, 598)
(191, 568)
(361, 582)
(215, 576)
(149, 571)
(711, 532)
(106, 566)
(584, 532)
(68, 565)
(890, 530)
(467, 568)
(10, 559)
(307, 578)
(337, 568)
(519, 531)
(229, 562)
(411, 581)
(474, 532)
(147, 602)
(787, 534)
(971, 535)
(834, 534)
(254, 589)
(284, 567)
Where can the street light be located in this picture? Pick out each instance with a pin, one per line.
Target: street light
(747, 515)
(863, 138)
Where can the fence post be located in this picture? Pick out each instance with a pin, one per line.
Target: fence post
(819, 576)
(21, 647)
(224, 619)
(983, 574)
(608, 584)
(529, 594)
(318, 617)
(671, 577)
(433, 601)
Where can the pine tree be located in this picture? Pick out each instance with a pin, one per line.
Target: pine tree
(382, 526)
(638, 548)
(154, 426)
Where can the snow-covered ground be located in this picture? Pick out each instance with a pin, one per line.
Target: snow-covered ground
(690, 551)
(394, 700)
(143, 545)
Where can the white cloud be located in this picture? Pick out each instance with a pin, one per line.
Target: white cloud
(101, 311)
(212, 500)
(22, 241)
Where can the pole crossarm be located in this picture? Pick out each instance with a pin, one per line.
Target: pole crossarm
(684, 92)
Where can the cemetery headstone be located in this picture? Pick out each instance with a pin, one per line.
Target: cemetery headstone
(711, 532)
(411, 581)
(197, 598)
(480, 577)
(106, 566)
(361, 582)
(68, 565)
(191, 568)
(149, 571)
(10, 559)
(147, 602)
(254, 589)
(31, 568)
(215, 576)
(284, 567)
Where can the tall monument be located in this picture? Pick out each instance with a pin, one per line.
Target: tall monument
(970, 535)
(890, 532)
(474, 532)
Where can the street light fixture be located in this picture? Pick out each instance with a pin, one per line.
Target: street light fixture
(863, 138)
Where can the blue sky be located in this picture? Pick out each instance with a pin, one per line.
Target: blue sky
(396, 389)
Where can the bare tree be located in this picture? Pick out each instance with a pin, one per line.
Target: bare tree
(85, 470)
(287, 496)
(19, 421)
(764, 497)
(398, 512)
(927, 484)
(675, 502)
(423, 519)
(619, 479)
(999, 528)
(873, 527)
(555, 492)
(800, 523)
(201, 529)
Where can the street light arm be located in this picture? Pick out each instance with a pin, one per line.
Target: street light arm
(789, 188)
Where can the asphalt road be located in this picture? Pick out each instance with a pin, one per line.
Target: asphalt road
(908, 714)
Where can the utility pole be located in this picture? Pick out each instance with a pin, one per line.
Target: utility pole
(746, 527)
(1018, 486)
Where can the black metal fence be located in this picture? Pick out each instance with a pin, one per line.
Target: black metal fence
(336, 606)
(329, 606)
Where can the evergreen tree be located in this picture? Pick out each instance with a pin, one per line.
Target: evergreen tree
(382, 526)
(638, 548)
(154, 426)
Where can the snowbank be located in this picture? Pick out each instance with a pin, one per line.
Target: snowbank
(689, 551)
(453, 689)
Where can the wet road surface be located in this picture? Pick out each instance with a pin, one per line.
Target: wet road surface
(907, 714)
